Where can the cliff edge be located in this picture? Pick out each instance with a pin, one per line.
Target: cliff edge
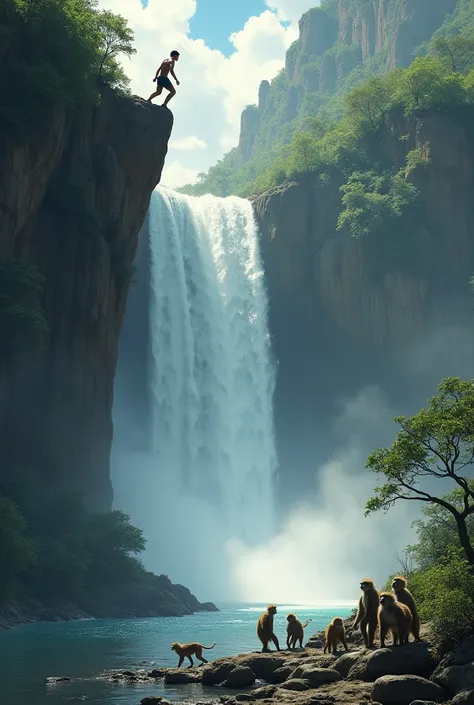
(72, 201)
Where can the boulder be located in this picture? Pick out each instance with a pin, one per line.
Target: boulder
(465, 697)
(320, 676)
(281, 674)
(240, 677)
(413, 659)
(154, 700)
(217, 672)
(314, 643)
(267, 691)
(319, 662)
(455, 679)
(244, 697)
(264, 665)
(423, 702)
(403, 690)
(181, 676)
(295, 684)
(344, 664)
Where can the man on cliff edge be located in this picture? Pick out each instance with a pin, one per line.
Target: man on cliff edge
(162, 80)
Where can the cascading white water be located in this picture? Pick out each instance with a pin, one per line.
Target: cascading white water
(211, 377)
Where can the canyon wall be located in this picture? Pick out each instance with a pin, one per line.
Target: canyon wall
(72, 201)
(391, 311)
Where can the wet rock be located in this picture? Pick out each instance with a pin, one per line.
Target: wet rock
(157, 673)
(315, 644)
(344, 664)
(403, 690)
(154, 700)
(57, 679)
(244, 697)
(413, 659)
(423, 702)
(295, 684)
(281, 674)
(181, 676)
(465, 697)
(217, 672)
(320, 676)
(240, 677)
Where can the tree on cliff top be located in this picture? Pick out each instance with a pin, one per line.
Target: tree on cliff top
(437, 443)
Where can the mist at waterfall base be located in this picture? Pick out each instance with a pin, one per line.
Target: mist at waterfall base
(320, 548)
(207, 475)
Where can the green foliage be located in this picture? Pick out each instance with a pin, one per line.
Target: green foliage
(437, 443)
(457, 51)
(371, 200)
(415, 160)
(50, 547)
(54, 52)
(445, 596)
(22, 322)
(437, 532)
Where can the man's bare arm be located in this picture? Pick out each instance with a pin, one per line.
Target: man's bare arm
(173, 74)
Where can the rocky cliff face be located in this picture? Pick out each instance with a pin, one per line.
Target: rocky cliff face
(72, 201)
(335, 39)
(347, 313)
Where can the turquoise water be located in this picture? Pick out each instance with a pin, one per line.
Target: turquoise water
(84, 650)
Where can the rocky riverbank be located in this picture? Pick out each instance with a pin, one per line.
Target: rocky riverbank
(402, 675)
(159, 597)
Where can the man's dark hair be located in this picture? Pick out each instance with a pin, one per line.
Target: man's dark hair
(174, 53)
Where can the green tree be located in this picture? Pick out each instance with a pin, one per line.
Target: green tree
(117, 38)
(437, 443)
(437, 532)
(429, 84)
(303, 154)
(457, 51)
(370, 104)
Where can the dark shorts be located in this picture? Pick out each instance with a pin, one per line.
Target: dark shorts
(164, 82)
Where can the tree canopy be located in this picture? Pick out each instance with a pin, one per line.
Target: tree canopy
(436, 445)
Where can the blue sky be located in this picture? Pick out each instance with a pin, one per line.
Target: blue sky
(215, 20)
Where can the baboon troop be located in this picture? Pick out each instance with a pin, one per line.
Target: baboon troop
(393, 612)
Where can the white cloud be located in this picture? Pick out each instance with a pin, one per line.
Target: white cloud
(175, 174)
(214, 88)
(186, 144)
(290, 10)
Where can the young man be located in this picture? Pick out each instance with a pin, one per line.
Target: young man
(162, 80)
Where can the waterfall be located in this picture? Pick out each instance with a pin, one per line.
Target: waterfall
(210, 385)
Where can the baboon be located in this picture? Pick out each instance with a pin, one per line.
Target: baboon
(265, 628)
(394, 616)
(188, 650)
(367, 612)
(294, 631)
(399, 587)
(335, 633)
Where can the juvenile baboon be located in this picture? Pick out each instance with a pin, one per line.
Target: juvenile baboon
(265, 628)
(335, 633)
(394, 616)
(399, 587)
(367, 612)
(188, 650)
(294, 631)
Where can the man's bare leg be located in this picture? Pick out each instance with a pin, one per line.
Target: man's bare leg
(169, 96)
(157, 92)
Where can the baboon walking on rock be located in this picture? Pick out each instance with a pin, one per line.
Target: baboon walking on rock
(399, 587)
